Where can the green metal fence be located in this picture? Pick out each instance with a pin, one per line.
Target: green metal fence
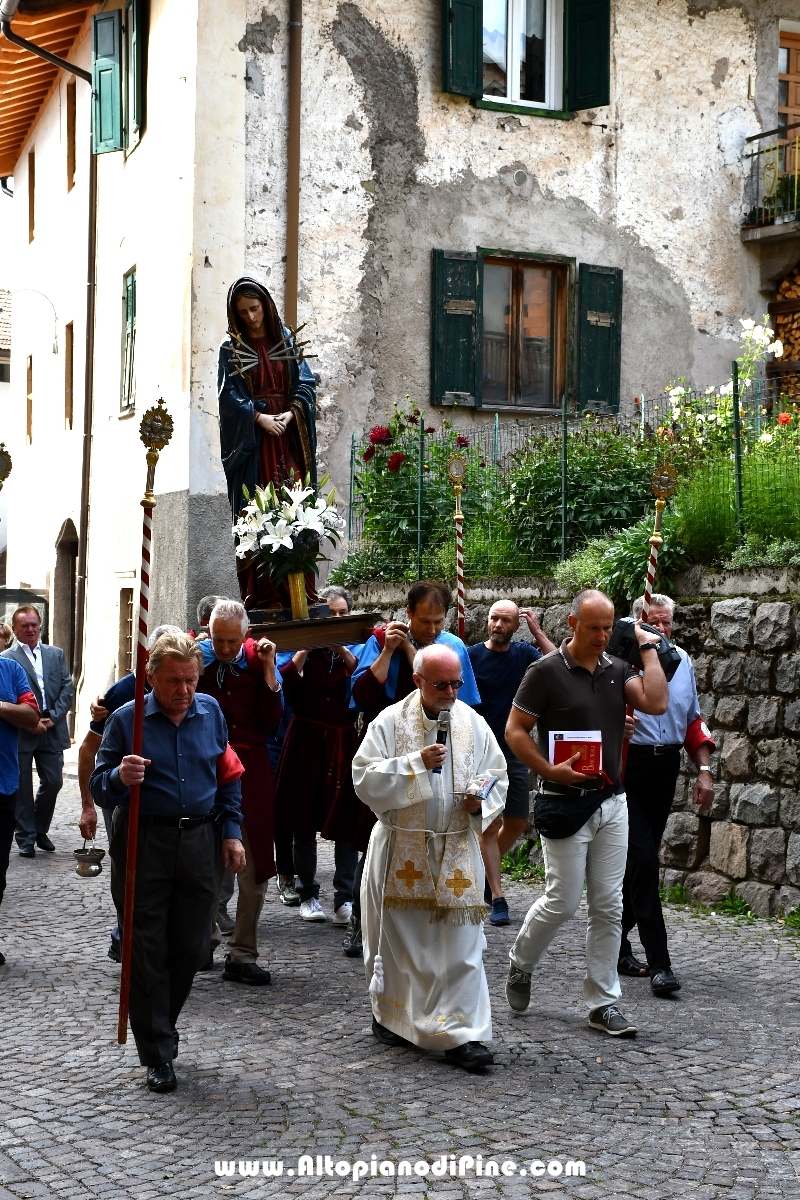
(537, 492)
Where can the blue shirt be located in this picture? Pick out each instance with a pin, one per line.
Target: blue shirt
(181, 780)
(13, 686)
(118, 694)
(469, 693)
(498, 674)
(684, 707)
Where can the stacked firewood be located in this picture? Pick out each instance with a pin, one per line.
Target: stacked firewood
(787, 324)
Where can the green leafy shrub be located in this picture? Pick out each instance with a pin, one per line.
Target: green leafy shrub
(757, 551)
(518, 866)
(365, 563)
(608, 476)
(677, 893)
(623, 567)
(733, 905)
(706, 505)
(582, 570)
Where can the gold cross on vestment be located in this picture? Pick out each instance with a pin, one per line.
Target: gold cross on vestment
(409, 874)
(458, 882)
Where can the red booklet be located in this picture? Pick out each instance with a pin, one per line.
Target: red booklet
(586, 742)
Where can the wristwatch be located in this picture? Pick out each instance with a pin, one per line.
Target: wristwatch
(704, 768)
(648, 646)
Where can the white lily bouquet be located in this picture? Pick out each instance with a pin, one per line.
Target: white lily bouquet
(285, 529)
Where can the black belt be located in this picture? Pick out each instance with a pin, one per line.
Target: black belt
(178, 822)
(563, 789)
(657, 750)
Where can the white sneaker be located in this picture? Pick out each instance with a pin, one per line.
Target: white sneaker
(342, 914)
(312, 910)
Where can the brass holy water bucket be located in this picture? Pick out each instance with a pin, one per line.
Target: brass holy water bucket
(89, 860)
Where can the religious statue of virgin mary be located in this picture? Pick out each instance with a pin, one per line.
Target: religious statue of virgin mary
(267, 403)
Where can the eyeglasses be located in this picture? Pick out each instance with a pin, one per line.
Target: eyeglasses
(444, 684)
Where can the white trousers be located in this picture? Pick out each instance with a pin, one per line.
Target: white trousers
(596, 854)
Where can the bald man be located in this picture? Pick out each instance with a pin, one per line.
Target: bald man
(422, 895)
(499, 664)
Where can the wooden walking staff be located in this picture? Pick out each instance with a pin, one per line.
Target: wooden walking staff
(456, 473)
(663, 483)
(155, 431)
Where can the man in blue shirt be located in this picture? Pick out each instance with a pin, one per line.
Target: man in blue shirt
(18, 710)
(181, 801)
(499, 664)
(654, 760)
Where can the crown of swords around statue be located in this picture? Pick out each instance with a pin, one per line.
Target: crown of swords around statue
(243, 358)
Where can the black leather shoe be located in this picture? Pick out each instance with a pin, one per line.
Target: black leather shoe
(176, 1037)
(471, 1056)
(2, 960)
(208, 966)
(352, 945)
(161, 1078)
(387, 1037)
(44, 843)
(664, 983)
(245, 972)
(27, 852)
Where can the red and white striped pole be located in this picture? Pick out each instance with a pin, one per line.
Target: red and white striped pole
(460, 568)
(155, 432)
(456, 473)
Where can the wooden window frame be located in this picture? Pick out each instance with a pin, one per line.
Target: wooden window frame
(564, 279)
(69, 374)
(29, 400)
(127, 392)
(72, 106)
(125, 643)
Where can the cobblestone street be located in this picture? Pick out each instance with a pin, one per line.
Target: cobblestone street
(704, 1103)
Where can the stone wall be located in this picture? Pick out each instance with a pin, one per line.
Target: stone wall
(747, 662)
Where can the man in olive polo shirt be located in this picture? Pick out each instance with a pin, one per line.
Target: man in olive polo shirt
(582, 820)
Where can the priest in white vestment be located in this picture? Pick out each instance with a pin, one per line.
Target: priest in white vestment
(422, 892)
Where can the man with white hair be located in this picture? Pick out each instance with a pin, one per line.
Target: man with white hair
(241, 677)
(101, 708)
(422, 894)
(654, 760)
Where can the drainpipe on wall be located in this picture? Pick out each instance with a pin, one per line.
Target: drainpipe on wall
(88, 413)
(293, 162)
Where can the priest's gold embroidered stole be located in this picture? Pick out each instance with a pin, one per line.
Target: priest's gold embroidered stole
(455, 896)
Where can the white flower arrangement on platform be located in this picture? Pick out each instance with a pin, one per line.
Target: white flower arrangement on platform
(285, 528)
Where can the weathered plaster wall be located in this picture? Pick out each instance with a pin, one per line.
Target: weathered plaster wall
(392, 168)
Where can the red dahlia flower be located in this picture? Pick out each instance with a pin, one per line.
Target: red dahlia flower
(784, 418)
(395, 462)
(380, 435)
(462, 441)
(368, 453)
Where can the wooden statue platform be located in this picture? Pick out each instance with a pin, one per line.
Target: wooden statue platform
(318, 631)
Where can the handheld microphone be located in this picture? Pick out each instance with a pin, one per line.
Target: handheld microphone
(443, 728)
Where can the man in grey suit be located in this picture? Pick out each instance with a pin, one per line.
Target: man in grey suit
(51, 684)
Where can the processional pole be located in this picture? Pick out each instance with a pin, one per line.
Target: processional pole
(456, 473)
(155, 432)
(663, 483)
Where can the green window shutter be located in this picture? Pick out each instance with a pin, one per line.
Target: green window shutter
(588, 53)
(457, 318)
(462, 47)
(599, 336)
(107, 82)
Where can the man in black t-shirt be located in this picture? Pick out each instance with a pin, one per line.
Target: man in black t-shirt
(582, 818)
(499, 664)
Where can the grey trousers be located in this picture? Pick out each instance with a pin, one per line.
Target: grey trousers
(176, 885)
(34, 815)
